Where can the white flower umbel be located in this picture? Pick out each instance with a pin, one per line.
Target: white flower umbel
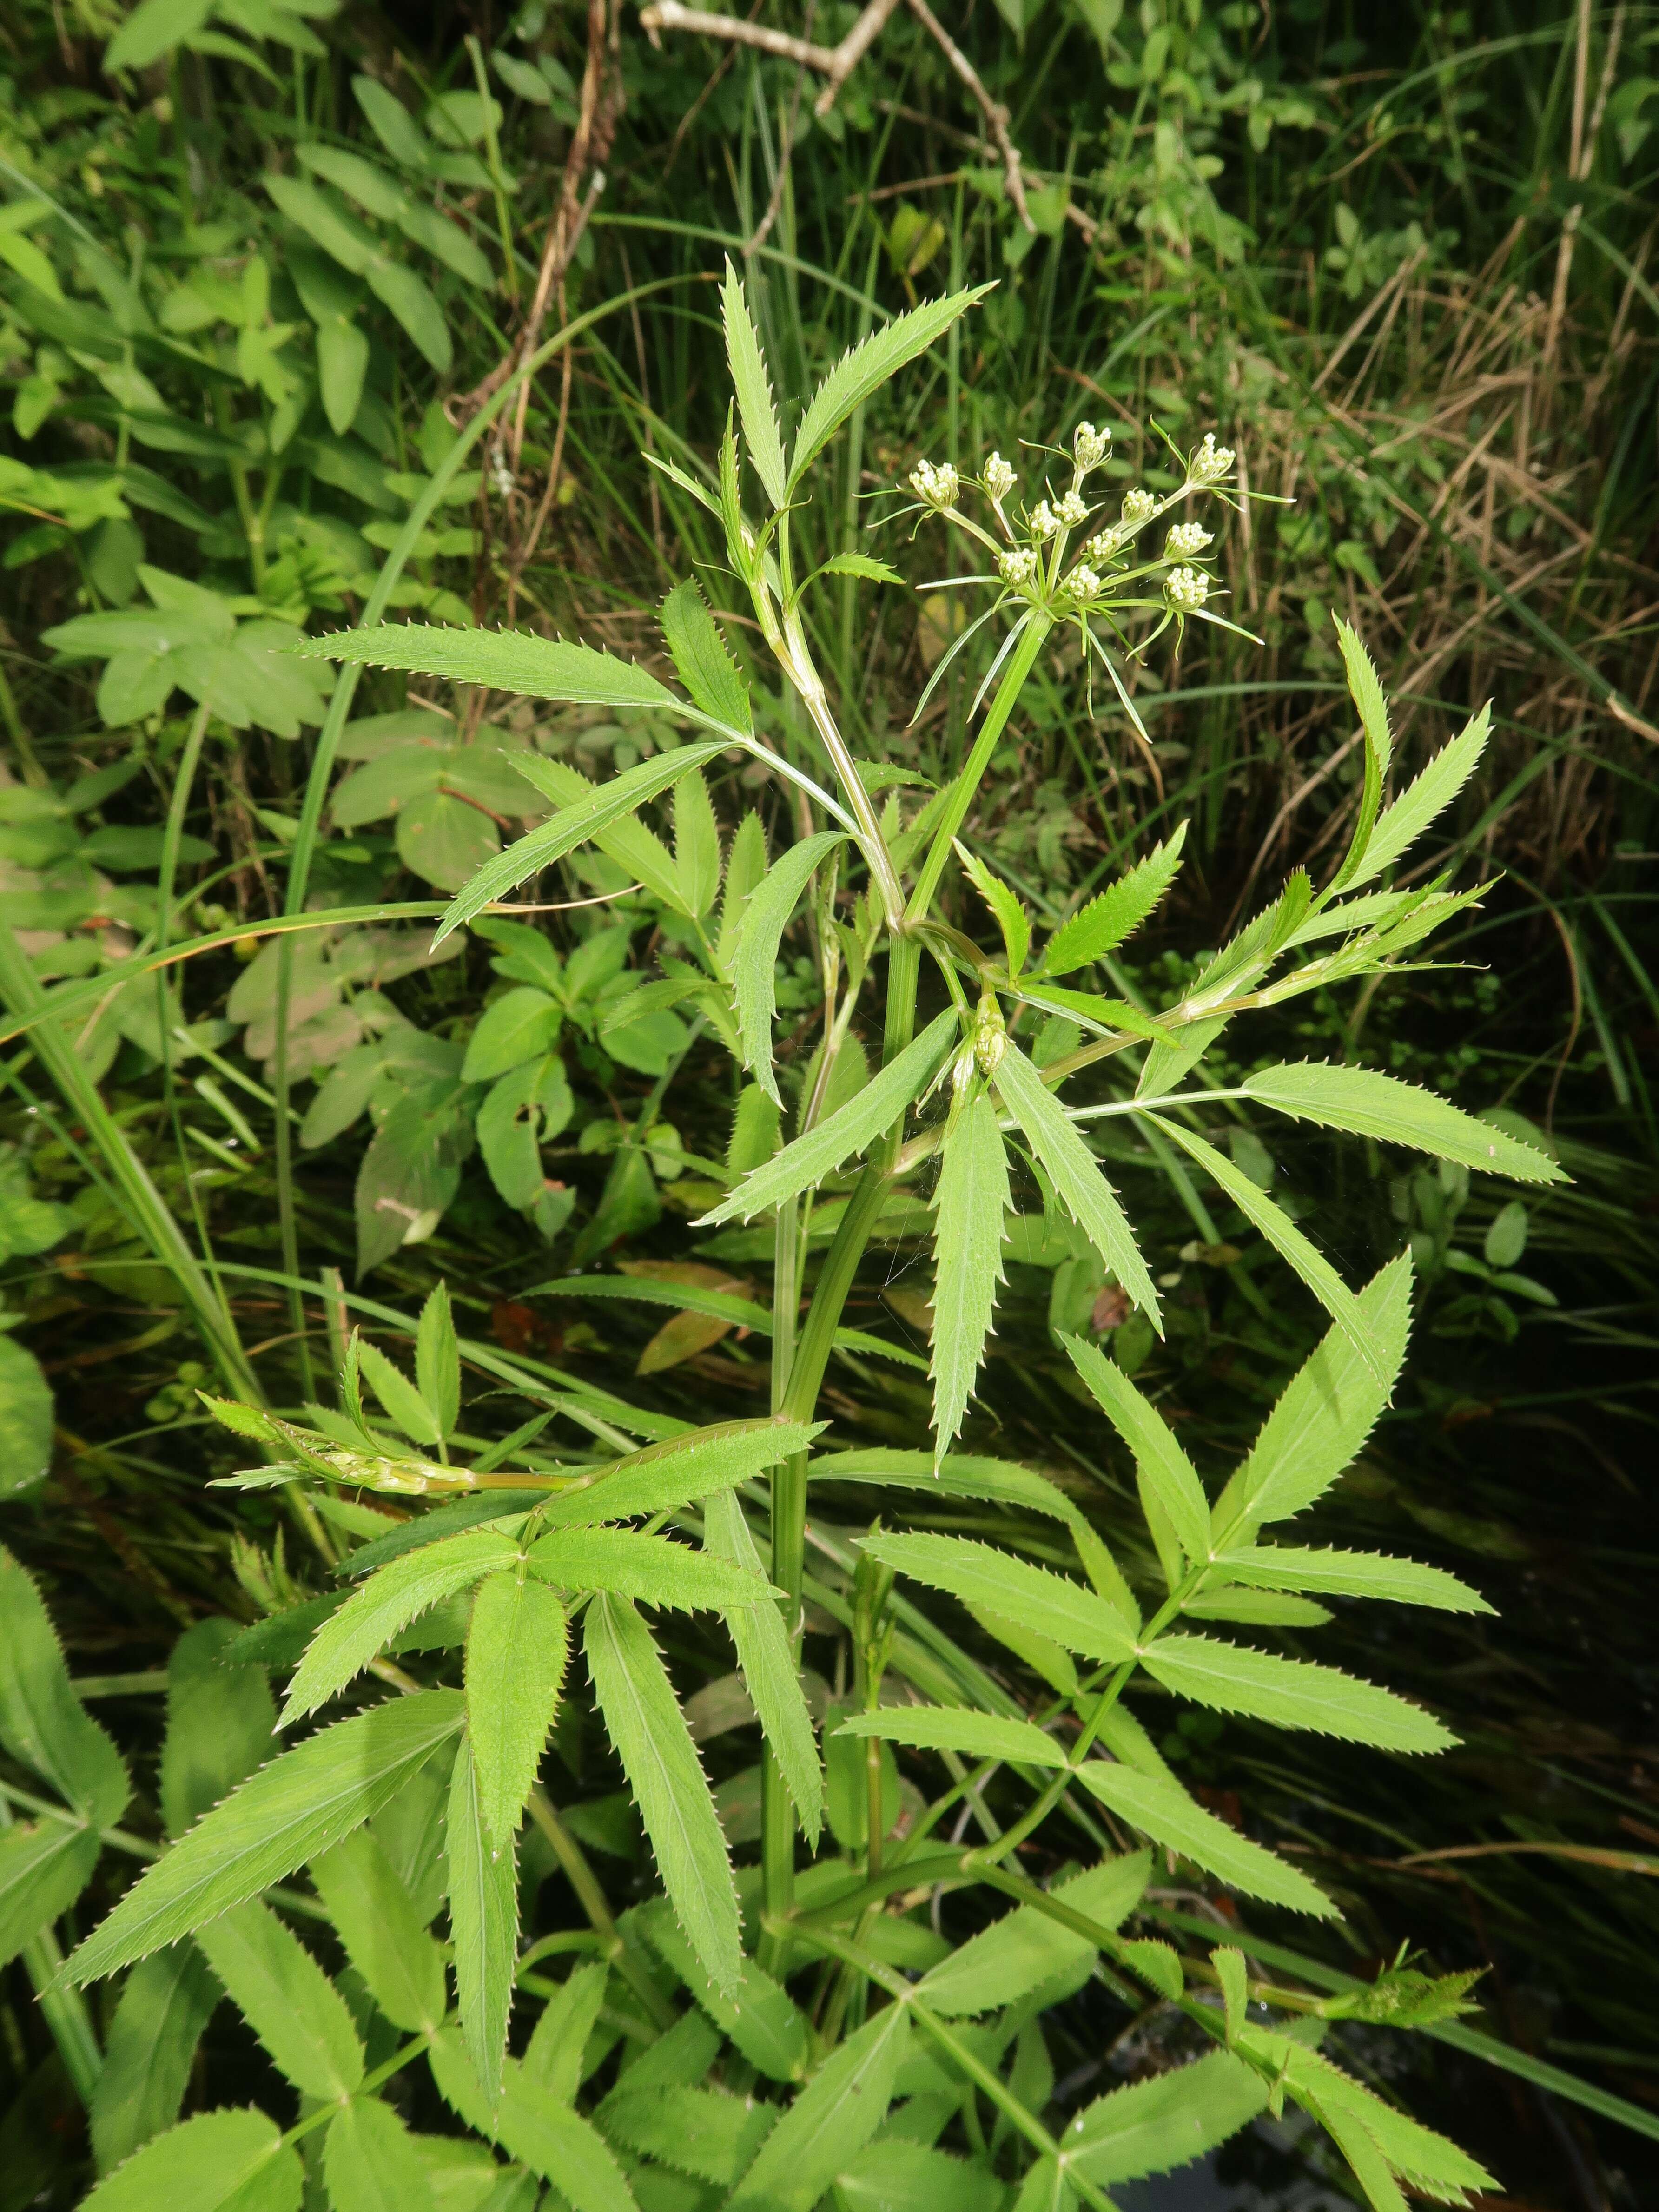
(1210, 462)
(1103, 544)
(999, 478)
(1045, 523)
(1083, 584)
(1073, 510)
(1186, 539)
(939, 487)
(1089, 446)
(1019, 565)
(1139, 507)
(1186, 590)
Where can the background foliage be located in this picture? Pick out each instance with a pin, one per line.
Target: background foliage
(255, 261)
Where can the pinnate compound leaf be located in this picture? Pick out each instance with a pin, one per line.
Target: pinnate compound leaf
(204, 2164)
(1399, 826)
(831, 2121)
(751, 380)
(1351, 1574)
(1326, 1412)
(482, 1884)
(648, 1729)
(705, 667)
(384, 1606)
(1031, 1596)
(1008, 1959)
(948, 1728)
(769, 1666)
(649, 1569)
(1097, 928)
(759, 2016)
(866, 367)
(971, 1203)
(384, 1936)
(1077, 1175)
(1370, 1104)
(1294, 1693)
(517, 1646)
(754, 961)
(287, 2000)
(664, 1477)
(851, 1128)
(1161, 1808)
(1166, 1473)
(1153, 2126)
(43, 1723)
(371, 2164)
(291, 1811)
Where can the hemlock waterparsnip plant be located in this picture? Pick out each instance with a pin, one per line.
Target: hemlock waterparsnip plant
(803, 2035)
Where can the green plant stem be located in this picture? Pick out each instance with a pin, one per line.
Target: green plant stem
(591, 1897)
(63, 2007)
(1037, 627)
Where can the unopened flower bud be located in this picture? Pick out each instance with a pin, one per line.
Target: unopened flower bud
(1103, 544)
(1186, 539)
(1186, 589)
(990, 1037)
(1210, 462)
(1044, 520)
(999, 478)
(1082, 583)
(1088, 446)
(938, 486)
(1138, 507)
(1019, 565)
(1073, 510)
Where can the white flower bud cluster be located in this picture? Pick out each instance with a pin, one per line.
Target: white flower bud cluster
(1044, 521)
(1210, 462)
(939, 487)
(1083, 584)
(1089, 446)
(1186, 589)
(1103, 544)
(1186, 539)
(1139, 507)
(999, 478)
(1017, 565)
(1073, 510)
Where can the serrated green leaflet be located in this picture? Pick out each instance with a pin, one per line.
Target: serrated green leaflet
(769, 1666)
(829, 2122)
(666, 1476)
(1153, 2126)
(483, 1888)
(707, 2133)
(760, 2017)
(1351, 1574)
(971, 1202)
(1292, 1693)
(288, 1812)
(1399, 826)
(166, 2003)
(981, 1575)
(945, 1727)
(44, 1867)
(371, 2163)
(958, 1474)
(1161, 1808)
(700, 659)
(42, 1722)
(1370, 1104)
(1097, 928)
(417, 1420)
(866, 369)
(517, 1646)
(1007, 1960)
(385, 1940)
(893, 2173)
(1012, 921)
(348, 1639)
(850, 1129)
(751, 381)
(1373, 708)
(660, 1761)
(1077, 1175)
(438, 1360)
(1164, 1469)
(286, 1999)
(504, 659)
(649, 1569)
(205, 2163)
(754, 961)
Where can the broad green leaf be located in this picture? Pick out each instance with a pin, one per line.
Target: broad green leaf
(402, 1400)
(981, 1575)
(852, 1128)
(1097, 928)
(44, 1867)
(1077, 1175)
(516, 1650)
(483, 1922)
(291, 1811)
(1351, 1574)
(664, 1477)
(707, 2133)
(554, 2058)
(1399, 826)
(42, 1722)
(971, 1204)
(384, 1936)
(1152, 2126)
(546, 2135)
(438, 1360)
(384, 1606)
(1165, 1472)
(1161, 1809)
(1373, 708)
(831, 2121)
(863, 371)
(958, 1474)
(204, 2164)
(520, 1027)
(648, 1729)
(1323, 1418)
(1290, 1692)
(1012, 918)
(769, 1666)
(752, 383)
(945, 1728)
(1282, 1233)
(154, 28)
(220, 1723)
(1023, 1949)
(759, 2016)
(166, 2003)
(1370, 1104)
(754, 958)
(287, 2000)
(414, 306)
(370, 2163)
(705, 667)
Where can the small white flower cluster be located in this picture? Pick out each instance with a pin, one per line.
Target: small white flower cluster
(1045, 523)
(1089, 446)
(1138, 507)
(1210, 462)
(1186, 589)
(1186, 539)
(939, 487)
(1073, 510)
(501, 476)
(1017, 565)
(999, 478)
(1083, 584)
(1104, 544)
